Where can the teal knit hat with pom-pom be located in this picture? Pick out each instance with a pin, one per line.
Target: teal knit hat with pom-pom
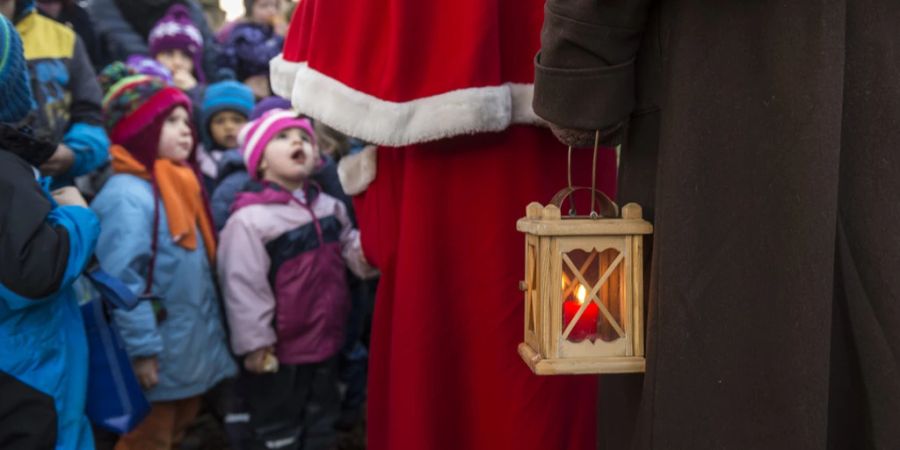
(15, 88)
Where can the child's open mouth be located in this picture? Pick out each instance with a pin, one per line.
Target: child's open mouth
(299, 156)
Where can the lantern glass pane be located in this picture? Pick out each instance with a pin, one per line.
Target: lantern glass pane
(593, 295)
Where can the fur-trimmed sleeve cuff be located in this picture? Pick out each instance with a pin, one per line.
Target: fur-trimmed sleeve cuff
(357, 171)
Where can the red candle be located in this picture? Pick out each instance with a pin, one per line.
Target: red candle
(586, 327)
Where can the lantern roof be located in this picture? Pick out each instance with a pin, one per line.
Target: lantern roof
(548, 221)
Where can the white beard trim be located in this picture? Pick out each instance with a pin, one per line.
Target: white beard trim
(395, 124)
(357, 171)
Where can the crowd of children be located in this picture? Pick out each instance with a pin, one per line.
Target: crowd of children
(206, 196)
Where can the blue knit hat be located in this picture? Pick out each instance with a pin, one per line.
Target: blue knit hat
(227, 95)
(15, 87)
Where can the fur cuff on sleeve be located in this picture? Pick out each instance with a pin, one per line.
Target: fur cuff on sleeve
(357, 171)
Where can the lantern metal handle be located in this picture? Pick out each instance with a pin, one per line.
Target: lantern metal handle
(605, 206)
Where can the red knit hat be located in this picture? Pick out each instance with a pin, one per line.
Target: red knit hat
(133, 101)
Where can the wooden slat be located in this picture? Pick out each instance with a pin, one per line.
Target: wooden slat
(584, 227)
(637, 262)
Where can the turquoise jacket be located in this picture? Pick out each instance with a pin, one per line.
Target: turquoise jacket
(190, 343)
(43, 343)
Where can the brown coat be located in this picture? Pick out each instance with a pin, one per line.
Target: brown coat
(764, 137)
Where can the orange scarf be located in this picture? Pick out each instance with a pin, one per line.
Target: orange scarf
(181, 196)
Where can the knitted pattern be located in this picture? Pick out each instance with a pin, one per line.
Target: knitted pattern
(133, 101)
(228, 95)
(255, 136)
(15, 88)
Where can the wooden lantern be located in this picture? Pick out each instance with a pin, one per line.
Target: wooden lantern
(583, 291)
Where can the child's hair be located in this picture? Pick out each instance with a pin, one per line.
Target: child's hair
(332, 142)
(255, 136)
(176, 31)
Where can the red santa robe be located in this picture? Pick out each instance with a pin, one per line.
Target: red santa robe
(445, 88)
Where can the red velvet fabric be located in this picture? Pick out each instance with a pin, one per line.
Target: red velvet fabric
(401, 50)
(439, 220)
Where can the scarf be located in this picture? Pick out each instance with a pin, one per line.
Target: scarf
(181, 196)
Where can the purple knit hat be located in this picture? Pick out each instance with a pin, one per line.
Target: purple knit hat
(148, 66)
(267, 104)
(255, 136)
(176, 30)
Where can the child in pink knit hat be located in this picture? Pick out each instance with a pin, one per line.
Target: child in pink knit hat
(283, 256)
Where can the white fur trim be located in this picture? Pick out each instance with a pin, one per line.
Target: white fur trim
(357, 171)
(355, 113)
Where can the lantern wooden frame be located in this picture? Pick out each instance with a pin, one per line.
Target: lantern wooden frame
(549, 239)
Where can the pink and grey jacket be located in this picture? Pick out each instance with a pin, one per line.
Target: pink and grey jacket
(282, 262)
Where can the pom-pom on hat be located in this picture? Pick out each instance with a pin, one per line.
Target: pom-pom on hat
(148, 66)
(255, 136)
(133, 101)
(176, 30)
(15, 88)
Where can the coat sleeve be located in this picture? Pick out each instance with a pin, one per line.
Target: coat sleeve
(42, 249)
(124, 251)
(122, 40)
(585, 70)
(224, 195)
(243, 266)
(351, 247)
(86, 136)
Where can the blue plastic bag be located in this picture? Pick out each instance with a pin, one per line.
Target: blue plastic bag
(115, 401)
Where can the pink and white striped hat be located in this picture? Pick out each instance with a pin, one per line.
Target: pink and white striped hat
(255, 136)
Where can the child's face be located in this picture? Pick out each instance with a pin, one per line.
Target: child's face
(224, 128)
(176, 141)
(264, 11)
(176, 60)
(290, 156)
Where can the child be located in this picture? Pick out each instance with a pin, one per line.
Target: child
(251, 44)
(282, 260)
(178, 45)
(226, 106)
(231, 174)
(65, 89)
(45, 244)
(157, 237)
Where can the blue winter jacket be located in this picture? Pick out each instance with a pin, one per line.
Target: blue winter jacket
(190, 342)
(66, 92)
(42, 341)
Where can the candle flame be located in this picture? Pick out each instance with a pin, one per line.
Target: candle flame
(581, 294)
